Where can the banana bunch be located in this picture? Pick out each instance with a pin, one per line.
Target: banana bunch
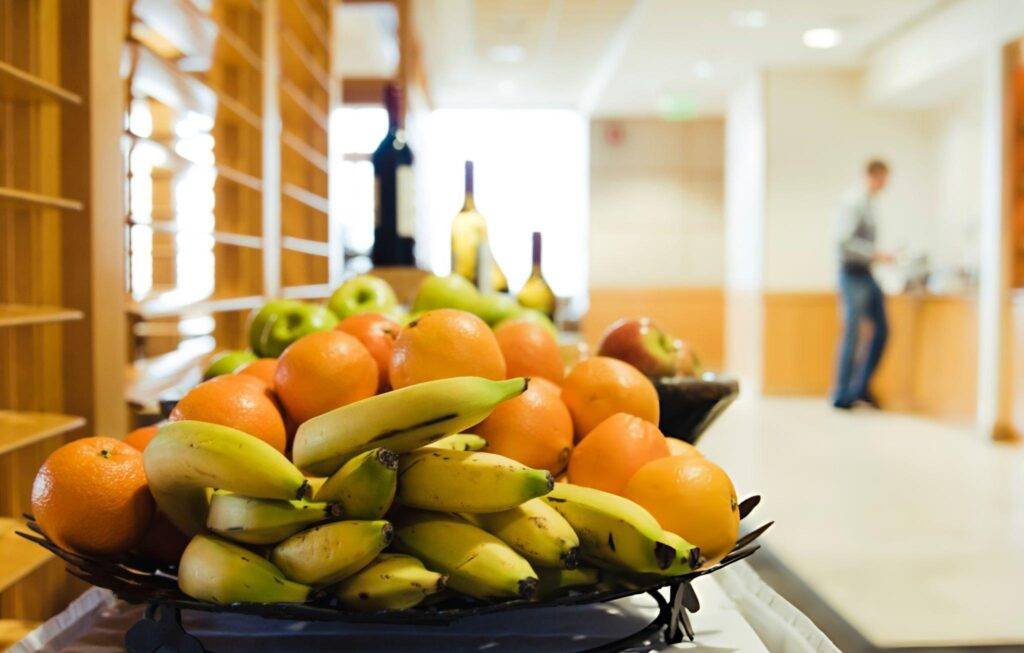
(391, 582)
(400, 420)
(188, 457)
(555, 581)
(467, 481)
(325, 554)
(214, 570)
(264, 521)
(365, 486)
(535, 530)
(460, 442)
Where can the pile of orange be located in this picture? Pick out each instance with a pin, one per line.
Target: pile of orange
(597, 424)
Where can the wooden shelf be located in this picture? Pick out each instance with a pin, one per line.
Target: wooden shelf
(314, 291)
(23, 314)
(149, 378)
(222, 237)
(298, 13)
(14, 196)
(244, 113)
(303, 196)
(21, 86)
(13, 630)
(164, 306)
(306, 151)
(306, 59)
(305, 246)
(20, 557)
(20, 429)
(303, 102)
(240, 178)
(238, 51)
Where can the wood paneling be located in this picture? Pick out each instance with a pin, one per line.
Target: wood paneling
(930, 363)
(696, 315)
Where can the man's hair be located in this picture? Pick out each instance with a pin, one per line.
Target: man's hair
(876, 167)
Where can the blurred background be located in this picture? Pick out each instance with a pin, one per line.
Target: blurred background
(166, 166)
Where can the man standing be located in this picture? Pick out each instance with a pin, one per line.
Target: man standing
(861, 297)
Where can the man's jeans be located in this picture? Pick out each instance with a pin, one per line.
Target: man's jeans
(862, 300)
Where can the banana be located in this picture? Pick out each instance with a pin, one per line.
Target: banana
(365, 486)
(400, 420)
(477, 563)
(612, 530)
(185, 458)
(460, 442)
(687, 555)
(535, 530)
(315, 483)
(467, 481)
(264, 521)
(214, 570)
(328, 553)
(391, 582)
(553, 581)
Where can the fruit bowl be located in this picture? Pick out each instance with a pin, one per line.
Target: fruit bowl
(689, 405)
(136, 580)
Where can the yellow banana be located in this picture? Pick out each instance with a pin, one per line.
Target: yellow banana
(534, 529)
(214, 570)
(612, 530)
(400, 420)
(391, 582)
(687, 555)
(365, 486)
(460, 442)
(328, 553)
(185, 458)
(476, 562)
(467, 481)
(554, 581)
(264, 521)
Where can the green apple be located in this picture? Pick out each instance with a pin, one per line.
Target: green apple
(452, 291)
(532, 315)
(363, 294)
(283, 321)
(410, 317)
(227, 361)
(494, 307)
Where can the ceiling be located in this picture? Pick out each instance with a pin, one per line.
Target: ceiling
(634, 57)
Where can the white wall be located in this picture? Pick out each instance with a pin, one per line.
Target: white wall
(656, 203)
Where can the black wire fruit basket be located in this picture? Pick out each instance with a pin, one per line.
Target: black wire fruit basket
(688, 405)
(139, 581)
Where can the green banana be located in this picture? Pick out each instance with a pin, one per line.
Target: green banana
(328, 553)
(553, 581)
(467, 481)
(400, 420)
(477, 563)
(612, 530)
(365, 486)
(535, 530)
(264, 521)
(185, 458)
(687, 555)
(391, 582)
(214, 570)
(460, 442)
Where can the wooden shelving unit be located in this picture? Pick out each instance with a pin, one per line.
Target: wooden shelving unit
(60, 271)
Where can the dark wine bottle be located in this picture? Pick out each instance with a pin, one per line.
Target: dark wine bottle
(394, 241)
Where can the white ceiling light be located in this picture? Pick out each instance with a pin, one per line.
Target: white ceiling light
(822, 38)
(749, 18)
(507, 53)
(703, 69)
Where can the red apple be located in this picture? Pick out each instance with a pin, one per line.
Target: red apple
(643, 345)
(377, 333)
(687, 363)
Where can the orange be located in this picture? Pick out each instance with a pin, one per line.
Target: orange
(445, 343)
(323, 371)
(534, 428)
(162, 542)
(679, 448)
(619, 446)
(140, 437)
(530, 350)
(377, 333)
(91, 496)
(692, 497)
(240, 401)
(599, 387)
(262, 368)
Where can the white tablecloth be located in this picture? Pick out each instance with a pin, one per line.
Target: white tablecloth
(738, 613)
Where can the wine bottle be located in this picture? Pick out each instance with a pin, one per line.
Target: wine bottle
(394, 231)
(536, 293)
(470, 250)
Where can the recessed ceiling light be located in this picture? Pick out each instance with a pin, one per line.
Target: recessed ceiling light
(822, 38)
(703, 69)
(510, 53)
(749, 18)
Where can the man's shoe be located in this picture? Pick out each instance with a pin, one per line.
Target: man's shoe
(870, 400)
(842, 405)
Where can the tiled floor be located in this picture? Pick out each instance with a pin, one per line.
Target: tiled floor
(912, 530)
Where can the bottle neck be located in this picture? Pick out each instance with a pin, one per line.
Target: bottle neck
(536, 253)
(469, 204)
(393, 105)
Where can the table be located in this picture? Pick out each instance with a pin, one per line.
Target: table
(739, 612)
